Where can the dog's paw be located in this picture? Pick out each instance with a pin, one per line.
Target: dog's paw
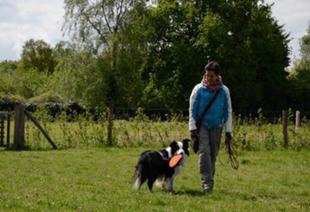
(172, 192)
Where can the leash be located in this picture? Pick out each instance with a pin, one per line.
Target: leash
(232, 156)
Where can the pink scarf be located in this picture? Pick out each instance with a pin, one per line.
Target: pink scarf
(213, 87)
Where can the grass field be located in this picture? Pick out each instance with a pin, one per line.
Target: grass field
(100, 179)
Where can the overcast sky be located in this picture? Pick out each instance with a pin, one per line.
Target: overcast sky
(21, 20)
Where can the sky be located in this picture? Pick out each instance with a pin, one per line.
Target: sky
(21, 20)
(295, 16)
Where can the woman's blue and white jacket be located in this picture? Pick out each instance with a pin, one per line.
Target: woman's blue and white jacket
(218, 115)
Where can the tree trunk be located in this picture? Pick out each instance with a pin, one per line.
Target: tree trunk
(112, 89)
(285, 123)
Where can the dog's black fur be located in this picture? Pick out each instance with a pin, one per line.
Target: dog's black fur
(154, 165)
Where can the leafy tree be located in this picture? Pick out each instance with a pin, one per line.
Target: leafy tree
(305, 46)
(163, 48)
(300, 76)
(248, 43)
(24, 84)
(173, 60)
(131, 56)
(37, 55)
(7, 71)
(62, 50)
(96, 24)
(31, 83)
(252, 49)
(8, 66)
(78, 71)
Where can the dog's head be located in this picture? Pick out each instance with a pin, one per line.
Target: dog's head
(179, 147)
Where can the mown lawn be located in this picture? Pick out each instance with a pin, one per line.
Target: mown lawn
(100, 179)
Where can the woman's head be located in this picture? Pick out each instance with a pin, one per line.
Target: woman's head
(212, 72)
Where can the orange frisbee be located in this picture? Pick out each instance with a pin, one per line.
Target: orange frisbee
(175, 160)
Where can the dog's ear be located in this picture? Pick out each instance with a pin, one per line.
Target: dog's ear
(173, 144)
(174, 147)
(186, 141)
(186, 145)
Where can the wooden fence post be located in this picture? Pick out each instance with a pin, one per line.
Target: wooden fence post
(2, 117)
(285, 123)
(19, 128)
(297, 119)
(110, 126)
(8, 130)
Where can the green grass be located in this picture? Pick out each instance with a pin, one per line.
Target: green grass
(100, 179)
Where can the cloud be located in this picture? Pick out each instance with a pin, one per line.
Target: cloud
(22, 20)
(295, 16)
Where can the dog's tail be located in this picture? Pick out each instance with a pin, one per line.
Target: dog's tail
(142, 168)
(138, 177)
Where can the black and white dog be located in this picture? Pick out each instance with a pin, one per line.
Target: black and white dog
(154, 165)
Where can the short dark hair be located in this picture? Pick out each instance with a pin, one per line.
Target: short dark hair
(213, 66)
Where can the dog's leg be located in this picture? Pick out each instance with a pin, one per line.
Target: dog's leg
(160, 183)
(150, 182)
(170, 184)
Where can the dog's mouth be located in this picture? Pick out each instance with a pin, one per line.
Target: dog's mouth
(184, 157)
(183, 153)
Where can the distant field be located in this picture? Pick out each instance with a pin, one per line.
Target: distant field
(100, 179)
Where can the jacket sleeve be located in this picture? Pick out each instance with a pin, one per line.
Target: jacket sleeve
(228, 110)
(193, 107)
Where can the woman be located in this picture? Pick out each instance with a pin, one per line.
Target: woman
(211, 124)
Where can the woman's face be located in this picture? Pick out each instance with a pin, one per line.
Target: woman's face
(211, 77)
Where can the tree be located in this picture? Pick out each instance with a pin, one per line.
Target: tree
(95, 25)
(248, 43)
(7, 70)
(77, 70)
(252, 50)
(37, 55)
(173, 64)
(300, 75)
(8, 66)
(305, 46)
(163, 48)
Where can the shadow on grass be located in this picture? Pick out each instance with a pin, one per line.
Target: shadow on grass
(28, 148)
(190, 192)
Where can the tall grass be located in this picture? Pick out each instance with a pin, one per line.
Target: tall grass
(251, 134)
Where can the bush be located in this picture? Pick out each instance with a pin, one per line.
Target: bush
(46, 97)
(8, 101)
(30, 83)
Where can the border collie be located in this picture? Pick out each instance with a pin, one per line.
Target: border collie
(154, 165)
